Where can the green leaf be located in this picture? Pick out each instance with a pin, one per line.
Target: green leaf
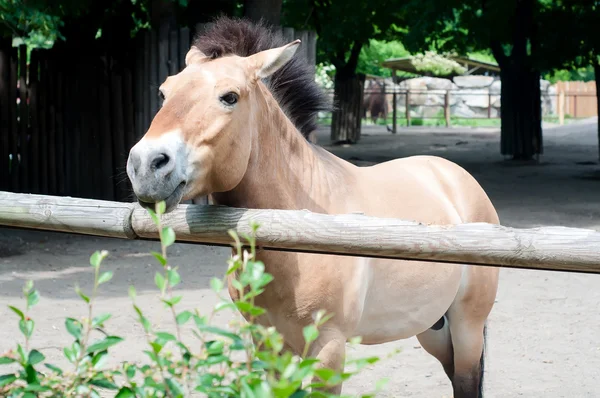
(125, 392)
(35, 357)
(26, 327)
(74, 327)
(173, 277)
(156, 347)
(99, 359)
(325, 374)
(183, 317)
(71, 353)
(132, 292)
(175, 387)
(160, 281)
(143, 320)
(103, 383)
(104, 344)
(105, 277)
(7, 379)
(310, 333)
(6, 360)
(165, 336)
(224, 305)
(21, 353)
(32, 298)
(54, 368)
(249, 308)
(32, 376)
(153, 216)
(97, 257)
(82, 295)
(215, 347)
(172, 301)
(219, 331)
(99, 320)
(17, 311)
(160, 258)
(216, 284)
(168, 236)
(130, 371)
(161, 207)
(37, 388)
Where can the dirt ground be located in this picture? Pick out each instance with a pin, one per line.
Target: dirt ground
(544, 331)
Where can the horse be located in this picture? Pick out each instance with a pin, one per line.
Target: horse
(233, 126)
(375, 102)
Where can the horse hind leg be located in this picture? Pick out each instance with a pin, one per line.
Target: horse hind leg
(468, 342)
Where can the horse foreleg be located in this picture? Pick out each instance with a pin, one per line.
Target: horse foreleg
(330, 350)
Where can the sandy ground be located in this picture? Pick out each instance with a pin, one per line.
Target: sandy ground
(544, 332)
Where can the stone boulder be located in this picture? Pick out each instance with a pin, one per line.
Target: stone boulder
(474, 81)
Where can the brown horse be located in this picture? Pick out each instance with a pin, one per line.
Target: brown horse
(231, 127)
(375, 102)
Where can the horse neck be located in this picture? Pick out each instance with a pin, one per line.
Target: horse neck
(285, 171)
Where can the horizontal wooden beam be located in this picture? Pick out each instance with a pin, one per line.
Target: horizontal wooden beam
(546, 248)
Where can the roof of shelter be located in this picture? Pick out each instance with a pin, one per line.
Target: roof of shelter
(473, 66)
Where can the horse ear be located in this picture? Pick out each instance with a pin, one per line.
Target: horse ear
(267, 62)
(194, 55)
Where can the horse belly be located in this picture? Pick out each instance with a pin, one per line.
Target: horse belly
(406, 298)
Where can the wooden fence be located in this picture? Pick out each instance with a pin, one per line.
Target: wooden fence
(69, 118)
(547, 248)
(579, 98)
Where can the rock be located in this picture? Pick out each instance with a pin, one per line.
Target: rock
(544, 85)
(473, 81)
(436, 83)
(496, 87)
(476, 98)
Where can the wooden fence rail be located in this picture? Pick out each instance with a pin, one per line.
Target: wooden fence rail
(547, 248)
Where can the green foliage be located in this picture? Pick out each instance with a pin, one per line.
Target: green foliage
(29, 24)
(39, 23)
(356, 23)
(246, 359)
(576, 74)
(376, 52)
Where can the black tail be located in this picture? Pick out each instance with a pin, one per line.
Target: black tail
(482, 363)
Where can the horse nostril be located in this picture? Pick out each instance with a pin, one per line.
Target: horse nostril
(160, 161)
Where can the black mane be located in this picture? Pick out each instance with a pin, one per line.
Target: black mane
(293, 86)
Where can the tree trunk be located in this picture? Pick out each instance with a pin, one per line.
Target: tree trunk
(521, 112)
(348, 97)
(597, 76)
(267, 10)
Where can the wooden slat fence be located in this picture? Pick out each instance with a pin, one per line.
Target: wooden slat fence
(69, 118)
(580, 98)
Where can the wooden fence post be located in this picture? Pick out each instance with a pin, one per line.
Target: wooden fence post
(23, 118)
(394, 111)
(447, 108)
(561, 107)
(408, 107)
(489, 105)
(575, 105)
(5, 116)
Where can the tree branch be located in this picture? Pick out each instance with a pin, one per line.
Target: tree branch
(354, 54)
(498, 52)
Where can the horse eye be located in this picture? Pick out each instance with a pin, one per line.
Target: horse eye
(161, 95)
(229, 99)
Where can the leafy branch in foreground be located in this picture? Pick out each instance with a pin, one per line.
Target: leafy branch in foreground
(242, 359)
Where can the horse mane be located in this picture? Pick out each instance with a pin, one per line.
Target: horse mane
(293, 86)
